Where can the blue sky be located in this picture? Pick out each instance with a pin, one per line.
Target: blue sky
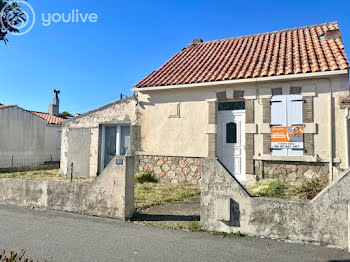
(92, 63)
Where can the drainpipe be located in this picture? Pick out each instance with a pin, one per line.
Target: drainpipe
(346, 136)
(330, 133)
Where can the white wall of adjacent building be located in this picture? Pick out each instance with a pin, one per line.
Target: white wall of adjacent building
(26, 139)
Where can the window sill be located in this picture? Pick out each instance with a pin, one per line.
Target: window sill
(287, 158)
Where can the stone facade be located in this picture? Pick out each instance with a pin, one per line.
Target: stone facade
(293, 172)
(175, 170)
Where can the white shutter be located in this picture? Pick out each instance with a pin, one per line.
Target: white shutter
(295, 117)
(279, 118)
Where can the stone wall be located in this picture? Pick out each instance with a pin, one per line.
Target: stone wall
(175, 170)
(110, 195)
(293, 172)
(226, 206)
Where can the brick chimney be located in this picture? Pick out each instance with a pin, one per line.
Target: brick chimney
(54, 109)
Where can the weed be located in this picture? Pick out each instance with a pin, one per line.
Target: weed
(144, 177)
(13, 256)
(225, 234)
(309, 189)
(193, 226)
(278, 188)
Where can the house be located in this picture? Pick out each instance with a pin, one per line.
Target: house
(271, 104)
(30, 138)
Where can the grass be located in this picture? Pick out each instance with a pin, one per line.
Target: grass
(148, 192)
(193, 226)
(154, 194)
(280, 189)
(47, 175)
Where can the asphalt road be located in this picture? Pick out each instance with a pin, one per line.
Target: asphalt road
(58, 236)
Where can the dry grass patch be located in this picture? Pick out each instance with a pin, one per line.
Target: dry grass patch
(151, 194)
(46, 175)
(278, 188)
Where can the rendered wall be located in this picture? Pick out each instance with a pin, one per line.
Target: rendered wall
(27, 138)
(110, 195)
(191, 133)
(121, 112)
(226, 206)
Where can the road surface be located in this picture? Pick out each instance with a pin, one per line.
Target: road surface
(59, 236)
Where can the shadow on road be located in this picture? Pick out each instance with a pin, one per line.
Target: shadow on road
(151, 217)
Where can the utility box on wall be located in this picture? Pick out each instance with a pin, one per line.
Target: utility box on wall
(223, 208)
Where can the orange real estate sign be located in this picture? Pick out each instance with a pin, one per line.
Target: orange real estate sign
(287, 137)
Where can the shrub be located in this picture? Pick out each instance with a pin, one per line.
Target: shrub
(145, 176)
(268, 187)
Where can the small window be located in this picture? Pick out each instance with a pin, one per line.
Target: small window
(276, 91)
(295, 90)
(231, 133)
(236, 105)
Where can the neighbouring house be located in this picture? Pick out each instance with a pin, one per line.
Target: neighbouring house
(29, 138)
(266, 105)
(90, 141)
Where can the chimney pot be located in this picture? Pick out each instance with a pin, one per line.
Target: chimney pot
(54, 109)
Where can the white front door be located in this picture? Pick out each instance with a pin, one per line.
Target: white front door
(231, 141)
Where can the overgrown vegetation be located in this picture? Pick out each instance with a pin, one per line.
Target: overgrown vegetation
(47, 175)
(270, 187)
(144, 177)
(13, 257)
(148, 192)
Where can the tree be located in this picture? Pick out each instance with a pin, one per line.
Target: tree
(11, 15)
(65, 113)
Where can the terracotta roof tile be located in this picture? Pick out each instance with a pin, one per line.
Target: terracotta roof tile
(306, 49)
(50, 119)
(6, 106)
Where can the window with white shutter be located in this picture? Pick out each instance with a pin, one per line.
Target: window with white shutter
(287, 110)
(295, 118)
(279, 118)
